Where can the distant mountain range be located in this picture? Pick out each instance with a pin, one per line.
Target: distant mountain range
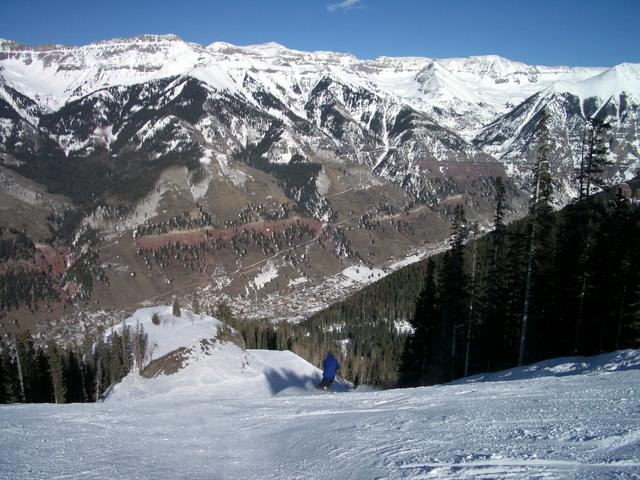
(140, 130)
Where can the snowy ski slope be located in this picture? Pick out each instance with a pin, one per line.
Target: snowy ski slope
(567, 418)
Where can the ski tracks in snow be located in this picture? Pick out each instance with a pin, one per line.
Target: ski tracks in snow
(583, 427)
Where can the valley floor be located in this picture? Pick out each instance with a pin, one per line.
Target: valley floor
(574, 426)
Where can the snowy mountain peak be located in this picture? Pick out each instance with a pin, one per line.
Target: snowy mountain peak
(269, 46)
(623, 78)
(403, 112)
(488, 66)
(626, 74)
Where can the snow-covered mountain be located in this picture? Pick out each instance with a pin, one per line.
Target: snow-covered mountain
(403, 118)
(612, 96)
(219, 164)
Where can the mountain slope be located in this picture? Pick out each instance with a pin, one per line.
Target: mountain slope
(612, 96)
(551, 427)
(327, 103)
(207, 166)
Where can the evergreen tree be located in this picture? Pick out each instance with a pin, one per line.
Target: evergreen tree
(496, 291)
(102, 362)
(176, 308)
(9, 383)
(539, 212)
(116, 357)
(88, 365)
(73, 377)
(415, 358)
(472, 317)
(25, 359)
(43, 392)
(594, 157)
(633, 316)
(127, 351)
(57, 370)
(139, 342)
(453, 293)
(3, 376)
(612, 278)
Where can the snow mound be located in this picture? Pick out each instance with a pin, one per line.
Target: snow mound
(213, 365)
(226, 372)
(172, 332)
(564, 366)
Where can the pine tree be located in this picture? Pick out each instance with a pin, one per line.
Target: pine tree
(539, 210)
(496, 291)
(9, 383)
(453, 292)
(58, 380)
(43, 391)
(25, 360)
(633, 316)
(139, 342)
(612, 277)
(176, 308)
(127, 352)
(88, 365)
(102, 367)
(594, 157)
(473, 307)
(73, 377)
(415, 357)
(3, 376)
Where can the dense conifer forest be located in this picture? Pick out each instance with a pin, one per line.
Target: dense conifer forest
(55, 373)
(553, 284)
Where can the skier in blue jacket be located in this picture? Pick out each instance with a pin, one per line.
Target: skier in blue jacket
(329, 366)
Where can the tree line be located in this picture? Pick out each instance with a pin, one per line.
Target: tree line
(553, 284)
(50, 373)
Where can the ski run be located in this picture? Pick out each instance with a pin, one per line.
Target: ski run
(254, 414)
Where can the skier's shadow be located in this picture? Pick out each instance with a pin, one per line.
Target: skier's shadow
(282, 379)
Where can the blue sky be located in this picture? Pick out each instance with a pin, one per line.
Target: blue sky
(549, 32)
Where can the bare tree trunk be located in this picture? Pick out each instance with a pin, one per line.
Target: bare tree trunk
(527, 288)
(584, 137)
(525, 312)
(453, 351)
(20, 377)
(470, 318)
(620, 317)
(583, 288)
(98, 378)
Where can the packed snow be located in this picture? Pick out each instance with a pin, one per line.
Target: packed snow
(252, 414)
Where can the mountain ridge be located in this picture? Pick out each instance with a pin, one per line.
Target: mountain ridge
(360, 161)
